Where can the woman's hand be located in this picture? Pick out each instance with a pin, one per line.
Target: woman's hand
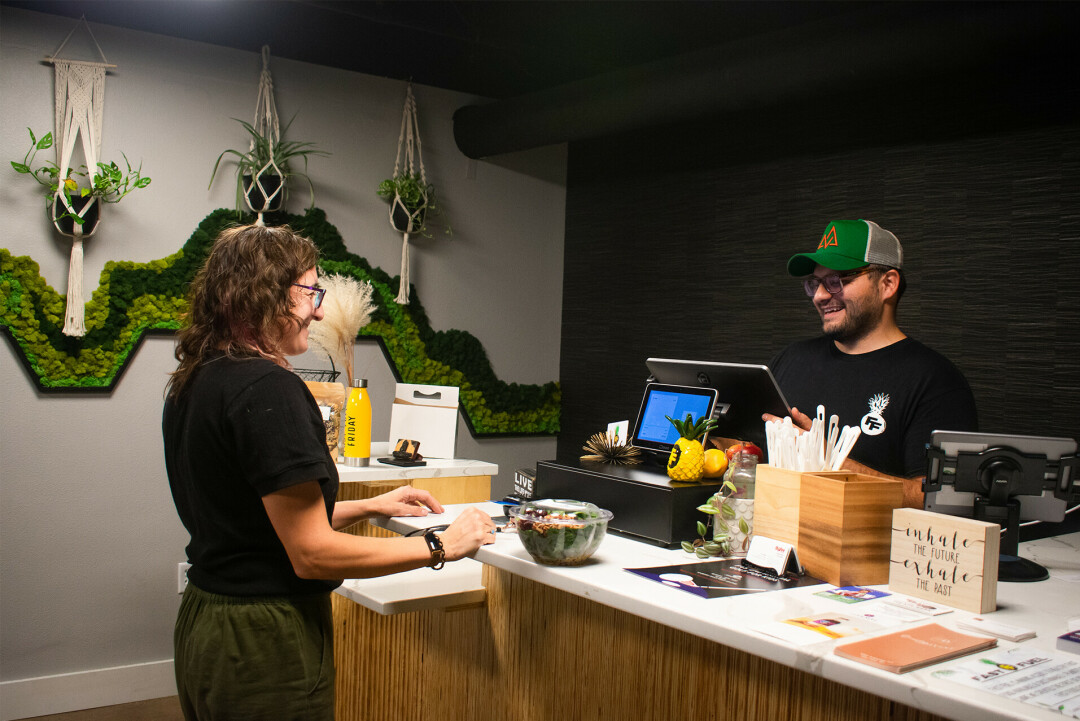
(404, 501)
(472, 529)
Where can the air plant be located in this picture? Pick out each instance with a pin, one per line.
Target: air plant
(347, 308)
(602, 448)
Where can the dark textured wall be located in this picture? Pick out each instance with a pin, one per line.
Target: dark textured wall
(676, 242)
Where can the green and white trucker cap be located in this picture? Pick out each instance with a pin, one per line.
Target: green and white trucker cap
(850, 244)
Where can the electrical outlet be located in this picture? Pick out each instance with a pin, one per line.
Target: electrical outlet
(181, 576)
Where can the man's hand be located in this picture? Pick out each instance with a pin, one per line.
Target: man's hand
(800, 419)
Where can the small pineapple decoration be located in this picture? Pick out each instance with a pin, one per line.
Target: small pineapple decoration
(687, 459)
(603, 448)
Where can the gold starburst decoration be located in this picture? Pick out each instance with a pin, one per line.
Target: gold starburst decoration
(601, 449)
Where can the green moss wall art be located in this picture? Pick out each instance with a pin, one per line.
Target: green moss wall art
(136, 299)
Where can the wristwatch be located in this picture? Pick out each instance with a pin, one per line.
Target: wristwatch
(438, 553)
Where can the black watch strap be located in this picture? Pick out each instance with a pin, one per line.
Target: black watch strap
(438, 553)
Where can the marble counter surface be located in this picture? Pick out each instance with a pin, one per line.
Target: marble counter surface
(436, 468)
(454, 586)
(1045, 607)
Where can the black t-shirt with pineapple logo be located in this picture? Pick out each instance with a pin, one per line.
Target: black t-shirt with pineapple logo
(896, 395)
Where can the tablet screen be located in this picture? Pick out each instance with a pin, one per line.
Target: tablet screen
(653, 430)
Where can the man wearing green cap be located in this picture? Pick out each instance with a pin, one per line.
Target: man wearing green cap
(863, 368)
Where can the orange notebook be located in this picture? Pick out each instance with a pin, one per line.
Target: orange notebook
(903, 651)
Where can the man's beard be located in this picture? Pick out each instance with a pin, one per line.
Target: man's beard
(860, 318)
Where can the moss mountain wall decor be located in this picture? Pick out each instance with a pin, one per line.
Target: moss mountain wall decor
(134, 299)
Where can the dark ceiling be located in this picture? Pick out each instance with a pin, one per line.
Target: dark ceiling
(492, 49)
(566, 70)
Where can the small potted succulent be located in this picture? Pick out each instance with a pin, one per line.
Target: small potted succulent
(262, 172)
(82, 192)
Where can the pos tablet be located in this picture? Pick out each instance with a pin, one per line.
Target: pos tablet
(652, 430)
(743, 393)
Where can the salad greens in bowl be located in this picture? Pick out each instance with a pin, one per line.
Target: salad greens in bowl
(560, 532)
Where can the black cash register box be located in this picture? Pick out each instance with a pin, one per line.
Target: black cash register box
(646, 504)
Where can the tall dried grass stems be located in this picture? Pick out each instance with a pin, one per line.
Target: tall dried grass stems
(347, 307)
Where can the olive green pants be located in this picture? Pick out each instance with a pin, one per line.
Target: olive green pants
(254, 659)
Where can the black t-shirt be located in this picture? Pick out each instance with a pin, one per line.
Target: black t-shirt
(897, 395)
(243, 428)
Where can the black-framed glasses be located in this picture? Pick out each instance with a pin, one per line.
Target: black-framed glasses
(834, 282)
(318, 293)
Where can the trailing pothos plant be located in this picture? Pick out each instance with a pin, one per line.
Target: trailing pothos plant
(109, 184)
(412, 200)
(720, 542)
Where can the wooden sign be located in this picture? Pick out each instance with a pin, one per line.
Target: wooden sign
(945, 559)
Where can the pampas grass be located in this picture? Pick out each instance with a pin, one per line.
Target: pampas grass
(347, 307)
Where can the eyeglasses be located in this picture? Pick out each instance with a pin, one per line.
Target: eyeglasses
(318, 293)
(833, 283)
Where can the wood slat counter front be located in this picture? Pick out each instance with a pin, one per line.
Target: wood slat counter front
(596, 642)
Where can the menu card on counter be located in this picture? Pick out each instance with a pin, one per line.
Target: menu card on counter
(717, 579)
(851, 594)
(1041, 678)
(812, 629)
(885, 614)
(903, 651)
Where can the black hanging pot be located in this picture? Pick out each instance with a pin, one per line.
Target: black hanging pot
(265, 196)
(66, 225)
(400, 217)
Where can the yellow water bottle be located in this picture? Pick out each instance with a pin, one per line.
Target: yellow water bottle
(358, 425)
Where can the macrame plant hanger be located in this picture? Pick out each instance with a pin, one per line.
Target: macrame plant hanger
(409, 141)
(79, 106)
(267, 126)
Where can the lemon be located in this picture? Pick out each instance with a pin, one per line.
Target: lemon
(716, 463)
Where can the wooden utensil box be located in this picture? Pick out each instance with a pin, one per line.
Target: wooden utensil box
(840, 523)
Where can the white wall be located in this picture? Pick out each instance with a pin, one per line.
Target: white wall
(89, 538)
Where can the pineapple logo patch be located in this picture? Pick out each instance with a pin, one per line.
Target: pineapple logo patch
(873, 424)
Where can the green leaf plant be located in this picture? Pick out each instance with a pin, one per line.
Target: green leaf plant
(416, 197)
(717, 543)
(109, 184)
(284, 154)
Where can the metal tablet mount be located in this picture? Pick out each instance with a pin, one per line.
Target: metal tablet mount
(996, 476)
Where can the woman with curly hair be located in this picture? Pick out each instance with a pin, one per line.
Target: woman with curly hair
(254, 485)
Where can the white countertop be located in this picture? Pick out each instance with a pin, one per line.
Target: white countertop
(454, 585)
(1042, 606)
(435, 468)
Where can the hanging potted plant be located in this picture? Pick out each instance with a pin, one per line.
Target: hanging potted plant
(74, 197)
(411, 199)
(262, 172)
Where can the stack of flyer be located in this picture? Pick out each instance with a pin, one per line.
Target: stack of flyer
(980, 624)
